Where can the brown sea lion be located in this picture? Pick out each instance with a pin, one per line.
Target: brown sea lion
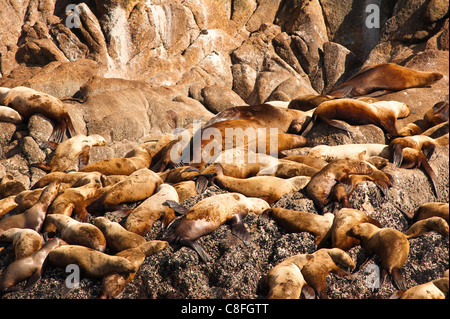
(178, 174)
(307, 160)
(321, 184)
(308, 102)
(297, 221)
(383, 114)
(92, 263)
(385, 77)
(422, 143)
(7, 204)
(134, 160)
(117, 237)
(343, 221)
(78, 233)
(428, 210)
(137, 186)
(349, 151)
(285, 280)
(389, 244)
(33, 217)
(70, 150)
(210, 213)
(24, 241)
(28, 268)
(113, 284)
(9, 115)
(141, 219)
(70, 178)
(324, 262)
(435, 289)
(420, 227)
(437, 114)
(185, 190)
(269, 188)
(27, 102)
(288, 169)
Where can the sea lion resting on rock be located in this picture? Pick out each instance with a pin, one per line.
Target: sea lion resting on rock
(24, 241)
(27, 102)
(385, 77)
(210, 213)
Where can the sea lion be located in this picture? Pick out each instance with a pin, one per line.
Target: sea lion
(78, 233)
(113, 284)
(134, 160)
(321, 184)
(139, 185)
(349, 151)
(74, 200)
(178, 174)
(437, 131)
(384, 77)
(288, 169)
(117, 237)
(185, 190)
(343, 221)
(29, 267)
(33, 217)
(437, 114)
(285, 280)
(309, 160)
(24, 241)
(27, 102)
(7, 204)
(428, 210)
(383, 114)
(422, 143)
(297, 221)
(434, 289)
(308, 102)
(70, 178)
(324, 262)
(282, 141)
(389, 244)
(420, 227)
(92, 263)
(341, 193)
(210, 213)
(70, 150)
(9, 115)
(9, 186)
(268, 188)
(141, 219)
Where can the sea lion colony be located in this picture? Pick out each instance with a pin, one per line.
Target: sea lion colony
(148, 185)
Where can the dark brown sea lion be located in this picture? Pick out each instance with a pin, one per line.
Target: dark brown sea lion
(385, 77)
(210, 213)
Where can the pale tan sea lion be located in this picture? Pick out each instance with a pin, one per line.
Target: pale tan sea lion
(24, 241)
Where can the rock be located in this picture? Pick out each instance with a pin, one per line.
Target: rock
(217, 98)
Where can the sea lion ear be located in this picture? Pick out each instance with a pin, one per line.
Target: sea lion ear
(178, 209)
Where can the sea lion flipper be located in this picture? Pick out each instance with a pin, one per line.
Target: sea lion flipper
(429, 170)
(197, 247)
(337, 124)
(308, 292)
(238, 229)
(428, 149)
(201, 183)
(83, 158)
(33, 279)
(397, 154)
(398, 279)
(342, 92)
(178, 209)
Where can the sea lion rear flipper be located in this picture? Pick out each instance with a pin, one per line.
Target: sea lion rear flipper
(33, 279)
(178, 209)
(83, 159)
(398, 279)
(397, 154)
(201, 183)
(197, 247)
(429, 170)
(308, 292)
(238, 229)
(41, 166)
(306, 127)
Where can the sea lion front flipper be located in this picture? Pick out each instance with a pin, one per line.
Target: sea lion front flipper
(338, 125)
(197, 247)
(398, 279)
(83, 159)
(178, 209)
(201, 183)
(308, 292)
(428, 149)
(397, 154)
(33, 279)
(238, 229)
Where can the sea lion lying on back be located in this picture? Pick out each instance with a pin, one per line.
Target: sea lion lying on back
(385, 77)
(27, 102)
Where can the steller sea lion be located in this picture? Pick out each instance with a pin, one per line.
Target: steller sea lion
(437, 114)
(435, 289)
(343, 221)
(288, 169)
(178, 174)
(29, 267)
(117, 237)
(33, 217)
(321, 184)
(113, 284)
(141, 219)
(428, 210)
(24, 241)
(9, 115)
(285, 280)
(185, 190)
(324, 262)
(311, 161)
(422, 143)
(389, 244)
(10, 187)
(382, 113)
(70, 150)
(78, 233)
(134, 160)
(210, 213)
(297, 221)
(92, 263)
(349, 151)
(420, 227)
(385, 77)
(27, 102)
(308, 102)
